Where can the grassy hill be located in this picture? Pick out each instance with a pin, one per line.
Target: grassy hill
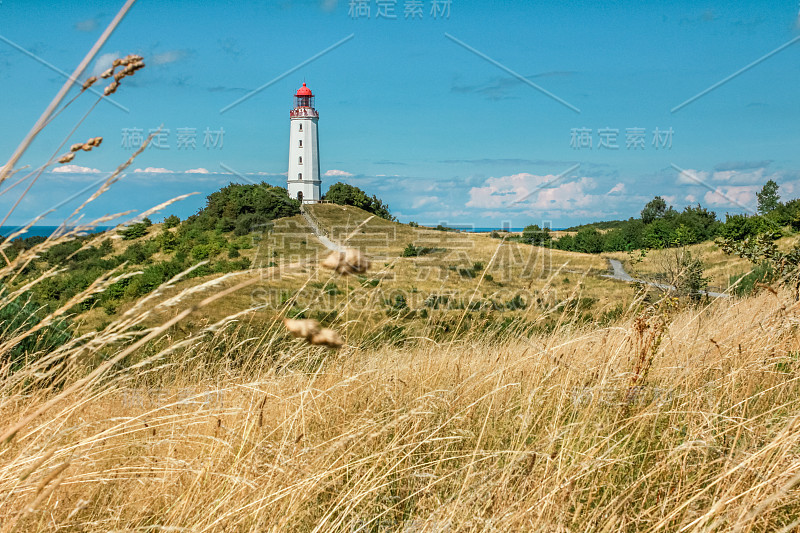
(424, 281)
(459, 278)
(483, 384)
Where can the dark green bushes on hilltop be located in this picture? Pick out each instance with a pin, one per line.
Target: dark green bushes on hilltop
(344, 194)
(660, 226)
(215, 234)
(243, 208)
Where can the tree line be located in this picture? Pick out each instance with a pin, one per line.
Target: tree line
(661, 226)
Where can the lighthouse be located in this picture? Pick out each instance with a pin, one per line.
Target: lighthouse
(303, 179)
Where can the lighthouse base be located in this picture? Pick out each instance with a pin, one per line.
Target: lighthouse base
(305, 191)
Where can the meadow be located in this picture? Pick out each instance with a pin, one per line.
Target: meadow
(673, 418)
(148, 381)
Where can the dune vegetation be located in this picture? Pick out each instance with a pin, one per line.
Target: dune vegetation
(224, 373)
(674, 418)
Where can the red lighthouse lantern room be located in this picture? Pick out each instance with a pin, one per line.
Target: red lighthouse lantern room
(303, 97)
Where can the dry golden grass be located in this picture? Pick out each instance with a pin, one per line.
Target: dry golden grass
(671, 420)
(287, 260)
(719, 267)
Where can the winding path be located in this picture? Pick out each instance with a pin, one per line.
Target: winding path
(319, 234)
(620, 274)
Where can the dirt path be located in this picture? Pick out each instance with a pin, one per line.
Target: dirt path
(620, 274)
(320, 235)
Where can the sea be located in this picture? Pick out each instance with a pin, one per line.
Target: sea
(470, 229)
(46, 231)
(42, 231)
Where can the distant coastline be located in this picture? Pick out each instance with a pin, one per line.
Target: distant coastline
(469, 229)
(41, 231)
(46, 231)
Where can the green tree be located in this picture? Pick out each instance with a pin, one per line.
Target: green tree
(171, 221)
(242, 208)
(135, 231)
(768, 199)
(588, 240)
(702, 222)
(655, 209)
(535, 235)
(344, 194)
(683, 235)
(658, 234)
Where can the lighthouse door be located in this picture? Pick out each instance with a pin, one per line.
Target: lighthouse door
(300, 196)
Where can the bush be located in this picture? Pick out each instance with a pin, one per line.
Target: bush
(241, 208)
(171, 221)
(536, 236)
(201, 252)
(19, 316)
(413, 251)
(588, 240)
(344, 194)
(136, 231)
(516, 303)
(745, 283)
(167, 241)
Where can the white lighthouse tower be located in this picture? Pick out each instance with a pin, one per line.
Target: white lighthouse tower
(303, 179)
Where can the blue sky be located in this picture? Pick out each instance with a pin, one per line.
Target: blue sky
(412, 111)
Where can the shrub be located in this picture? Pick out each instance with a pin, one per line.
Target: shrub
(136, 231)
(171, 221)
(745, 283)
(344, 194)
(201, 252)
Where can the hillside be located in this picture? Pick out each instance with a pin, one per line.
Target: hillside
(672, 419)
(495, 281)
(498, 281)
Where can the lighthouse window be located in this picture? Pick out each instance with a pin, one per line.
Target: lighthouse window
(301, 143)
(300, 176)
(301, 127)
(300, 160)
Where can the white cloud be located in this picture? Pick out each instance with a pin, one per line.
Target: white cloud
(421, 201)
(738, 176)
(170, 56)
(341, 173)
(619, 187)
(87, 25)
(152, 170)
(743, 177)
(503, 192)
(75, 169)
(103, 63)
(198, 171)
(693, 177)
(691, 198)
(731, 196)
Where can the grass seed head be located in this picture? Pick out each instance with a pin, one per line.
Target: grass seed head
(111, 89)
(88, 83)
(351, 261)
(305, 328)
(66, 158)
(327, 337)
